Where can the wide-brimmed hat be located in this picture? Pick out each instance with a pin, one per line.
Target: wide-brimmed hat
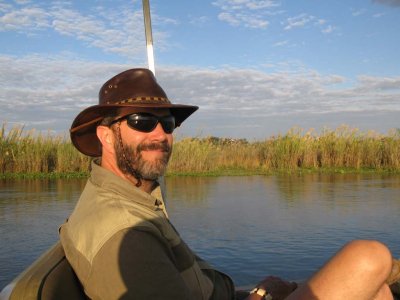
(135, 88)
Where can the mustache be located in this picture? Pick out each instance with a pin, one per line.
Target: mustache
(163, 146)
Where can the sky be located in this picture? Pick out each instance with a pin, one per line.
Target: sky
(256, 68)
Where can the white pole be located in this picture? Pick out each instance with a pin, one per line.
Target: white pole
(149, 37)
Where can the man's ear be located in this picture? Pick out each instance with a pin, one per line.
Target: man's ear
(106, 138)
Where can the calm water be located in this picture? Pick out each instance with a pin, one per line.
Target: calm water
(248, 227)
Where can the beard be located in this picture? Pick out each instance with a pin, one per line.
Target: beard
(131, 162)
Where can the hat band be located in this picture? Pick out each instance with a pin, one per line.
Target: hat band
(141, 99)
(79, 127)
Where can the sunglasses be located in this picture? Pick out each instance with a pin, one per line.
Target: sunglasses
(147, 122)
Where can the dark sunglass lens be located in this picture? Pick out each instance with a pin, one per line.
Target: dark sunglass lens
(147, 122)
(168, 124)
(144, 123)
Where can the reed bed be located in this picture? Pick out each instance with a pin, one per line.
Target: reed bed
(25, 152)
(342, 149)
(31, 153)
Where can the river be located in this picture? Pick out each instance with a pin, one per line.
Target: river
(248, 227)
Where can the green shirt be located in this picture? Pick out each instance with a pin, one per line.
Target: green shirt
(122, 245)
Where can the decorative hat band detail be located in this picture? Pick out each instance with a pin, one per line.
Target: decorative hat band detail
(141, 99)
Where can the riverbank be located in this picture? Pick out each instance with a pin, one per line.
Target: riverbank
(238, 172)
(343, 150)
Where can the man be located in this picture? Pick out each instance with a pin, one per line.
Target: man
(119, 239)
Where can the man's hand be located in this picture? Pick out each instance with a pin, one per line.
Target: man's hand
(278, 288)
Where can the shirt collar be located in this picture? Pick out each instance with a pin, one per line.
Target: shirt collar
(108, 180)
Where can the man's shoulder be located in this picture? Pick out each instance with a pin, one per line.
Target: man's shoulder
(98, 216)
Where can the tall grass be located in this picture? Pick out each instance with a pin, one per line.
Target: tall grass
(341, 149)
(29, 152)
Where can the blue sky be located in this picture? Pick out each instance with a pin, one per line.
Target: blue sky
(255, 68)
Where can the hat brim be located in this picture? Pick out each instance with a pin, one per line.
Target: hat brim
(83, 128)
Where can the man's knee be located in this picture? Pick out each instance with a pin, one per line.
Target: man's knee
(372, 257)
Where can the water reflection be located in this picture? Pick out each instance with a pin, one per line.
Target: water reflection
(189, 189)
(30, 213)
(299, 187)
(42, 190)
(285, 225)
(246, 226)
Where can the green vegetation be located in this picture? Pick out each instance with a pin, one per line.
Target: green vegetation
(340, 150)
(32, 154)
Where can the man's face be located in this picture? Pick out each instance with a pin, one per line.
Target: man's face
(147, 154)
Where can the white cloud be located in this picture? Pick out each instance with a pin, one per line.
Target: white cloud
(358, 12)
(199, 21)
(21, 2)
(36, 88)
(24, 19)
(277, 93)
(245, 20)
(229, 18)
(281, 43)
(246, 13)
(328, 29)
(378, 15)
(305, 20)
(298, 21)
(370, 83)
(257, 23)
(48, 92)
(245, 4)
(117, 31)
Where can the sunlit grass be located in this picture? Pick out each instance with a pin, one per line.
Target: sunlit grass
(29, 153)
(341, 149)
(32, 153)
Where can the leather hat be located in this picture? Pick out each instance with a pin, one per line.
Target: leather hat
(135, 88)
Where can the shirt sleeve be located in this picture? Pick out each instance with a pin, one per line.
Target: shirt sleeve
(134, 264)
